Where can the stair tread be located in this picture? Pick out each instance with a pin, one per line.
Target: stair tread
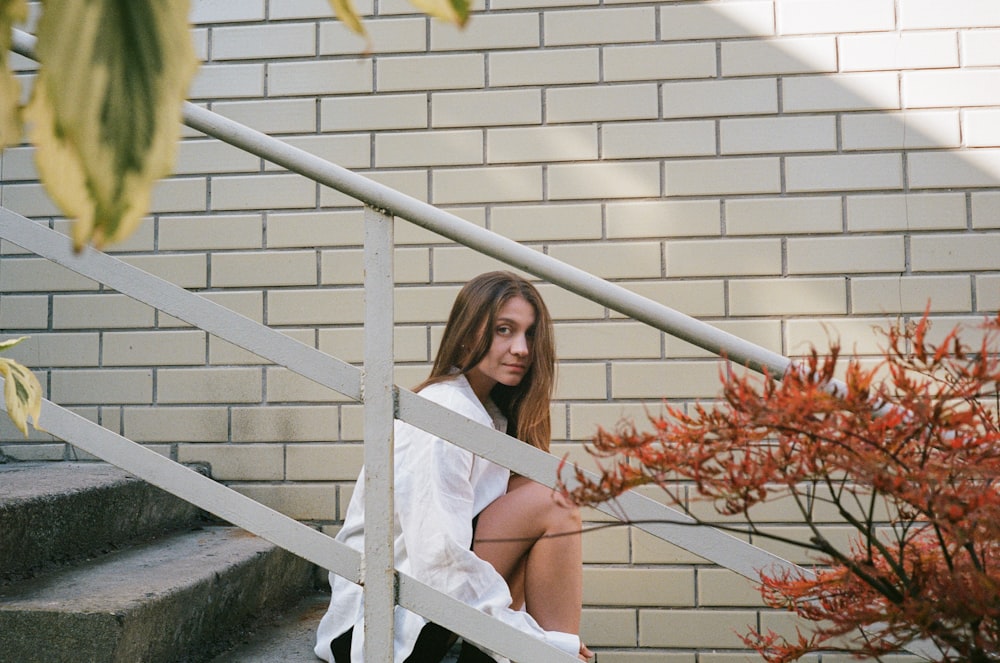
(21, 482)
(289, 639)
(100, 565)
(133, 576)
(56, 513)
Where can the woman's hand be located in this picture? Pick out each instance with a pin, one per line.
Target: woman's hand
(585, 654)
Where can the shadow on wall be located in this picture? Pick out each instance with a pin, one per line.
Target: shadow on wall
(884, 114)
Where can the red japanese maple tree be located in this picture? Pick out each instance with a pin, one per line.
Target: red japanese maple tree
(907, 452)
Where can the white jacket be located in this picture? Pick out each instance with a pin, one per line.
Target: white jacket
(440, 488)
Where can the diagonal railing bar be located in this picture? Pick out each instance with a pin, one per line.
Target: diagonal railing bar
(200, 490)
(477, 626)
(187, 306)
(645, 513)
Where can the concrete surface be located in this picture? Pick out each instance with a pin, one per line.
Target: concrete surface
(61, 511)
(176, 599)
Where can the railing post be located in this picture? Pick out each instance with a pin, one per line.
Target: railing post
(378, 567)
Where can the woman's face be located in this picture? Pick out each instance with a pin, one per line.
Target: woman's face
(509, 357)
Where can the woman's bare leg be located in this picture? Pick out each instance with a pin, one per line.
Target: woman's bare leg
(531, 536)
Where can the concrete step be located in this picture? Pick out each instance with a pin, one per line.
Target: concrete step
(288, 638)
(58, 512)
(185, 597)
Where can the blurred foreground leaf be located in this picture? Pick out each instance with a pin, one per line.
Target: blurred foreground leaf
(346, 13)
(21, 391)
(452, 11)
(106, 107)
(11, 12)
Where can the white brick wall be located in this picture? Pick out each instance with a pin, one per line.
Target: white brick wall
(784, 169)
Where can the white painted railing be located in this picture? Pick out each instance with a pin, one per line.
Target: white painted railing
(384, 587)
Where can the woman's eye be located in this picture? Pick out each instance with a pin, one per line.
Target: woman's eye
(503, 329)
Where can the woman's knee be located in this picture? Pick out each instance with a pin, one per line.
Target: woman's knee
(551, 506)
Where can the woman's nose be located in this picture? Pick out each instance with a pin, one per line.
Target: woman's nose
(519, 346)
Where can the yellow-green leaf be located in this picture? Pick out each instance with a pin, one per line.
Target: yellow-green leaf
(346, 14)
(453, 11)
(10, 342)
(11, 12)
(22, 394)
(105, 109)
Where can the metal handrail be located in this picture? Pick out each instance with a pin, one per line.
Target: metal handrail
(591, 287)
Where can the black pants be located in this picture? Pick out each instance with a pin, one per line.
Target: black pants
(432, 644)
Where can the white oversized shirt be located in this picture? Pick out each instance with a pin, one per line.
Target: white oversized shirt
(439, 489)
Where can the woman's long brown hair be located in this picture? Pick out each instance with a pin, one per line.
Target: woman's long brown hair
(468, 336)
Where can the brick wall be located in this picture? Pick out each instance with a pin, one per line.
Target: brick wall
(784, 169)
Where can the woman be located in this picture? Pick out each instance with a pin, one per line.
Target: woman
(495, 365)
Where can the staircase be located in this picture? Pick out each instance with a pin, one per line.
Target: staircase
(98, 566)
